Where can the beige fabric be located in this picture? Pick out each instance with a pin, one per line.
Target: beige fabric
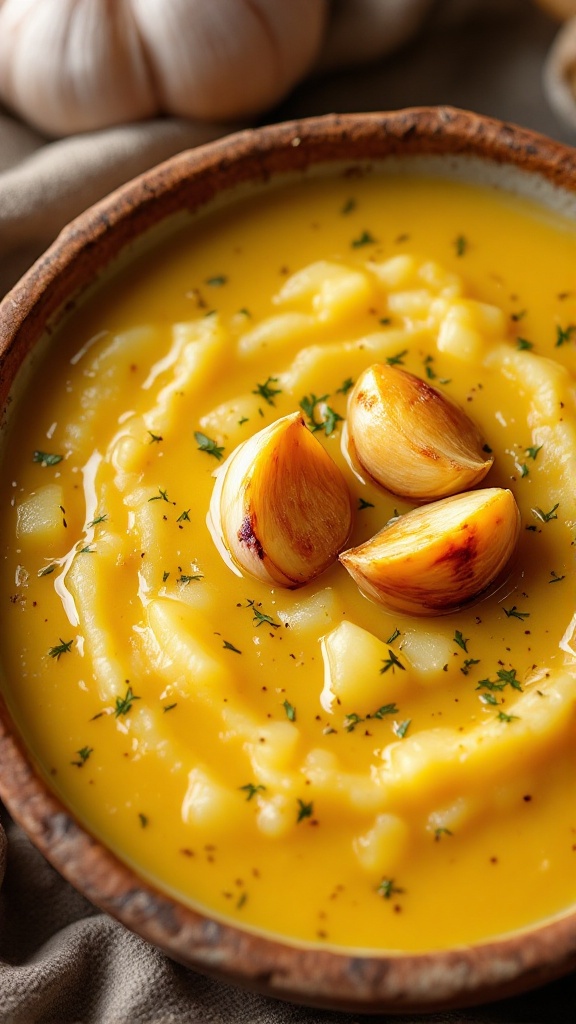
(61, 960)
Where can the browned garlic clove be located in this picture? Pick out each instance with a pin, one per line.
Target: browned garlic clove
(439, 556)
(281, 506)
(410, 438)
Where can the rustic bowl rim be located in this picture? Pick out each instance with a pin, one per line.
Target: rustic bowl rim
(359, 982)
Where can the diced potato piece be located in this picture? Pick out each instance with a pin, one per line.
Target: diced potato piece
(333, 289)
(411, 304)
(397, 272)
(353, 677)
(452, 817)
(427, 652)
(275, 332)
(313, 614)
(467, 326)
(40, 517)
(184, 654)
(272, 748)
(209, 804)
(199, 347)
(439, 280)
(380, 850)
(275, 817)
(228, 421)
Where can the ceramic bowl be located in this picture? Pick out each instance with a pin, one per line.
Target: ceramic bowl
(443, 140)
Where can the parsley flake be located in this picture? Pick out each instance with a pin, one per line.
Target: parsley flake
(230, 647)
(207, 444)
(83, 755)
(523, 345)
(391, 662)
(514, 613)
(564, 334)
(47, 458)
(345, 386)
(62, 648)
(401, 728)
(267, 392)
(388, 888)
(261, 617)
(546, 517)
(304, 810)
(251, 790)
(460, 640)
(290, 710)
(124, 704)
(362, 504)
(398, 359)
(363, 239)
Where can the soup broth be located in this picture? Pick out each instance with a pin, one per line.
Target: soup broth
(304, 761)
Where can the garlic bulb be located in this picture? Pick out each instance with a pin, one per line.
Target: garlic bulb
(439, 556)
(77, 65)
(281, 506)
(410, 438)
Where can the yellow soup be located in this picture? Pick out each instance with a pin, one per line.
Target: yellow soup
(304, 761)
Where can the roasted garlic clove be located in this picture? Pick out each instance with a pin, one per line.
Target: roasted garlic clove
(281, 506)
(410, 438)
(439, 556)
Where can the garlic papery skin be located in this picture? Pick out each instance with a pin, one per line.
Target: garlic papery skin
(409, 438)
(440, 556)
(281, 506)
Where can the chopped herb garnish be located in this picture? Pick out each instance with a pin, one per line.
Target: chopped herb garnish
(290, 710)
(439, 832)
(124, 704)
(398, 359)
(385, 321)
(62, 648)
(388, 888)
(251, 790)
(345, 386)
(143, 820)
(488, 698)
(165, 576)
(503, 717)
(304, 810)
(532, 452)
(189, 579)
(362, 504)
(523, 345)
(308, 405)
(230, 647)
(266, 392)
(47, 570)
(83, 755)
(184, 517)
(364, 239)
(555, 577)
(461, 244)
(217, 281)
(332, 418)
(207, 444)
(169, 707)
(391, 662)
(386, 709)
(99, 519)
(460, 640)
(393, 636)
(349, 205)
(87, 550)
(243, 421)
(155, 438)
(401, 728)
(241, 900)
(514, 613)
(260, 617)
(47, 458)
(518, 316)
(467, 665)
(351, 721)
(161, 496)
(564, 334)
(545, 517)
(506, 677)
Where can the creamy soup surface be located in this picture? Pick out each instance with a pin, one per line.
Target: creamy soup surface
(304, 761)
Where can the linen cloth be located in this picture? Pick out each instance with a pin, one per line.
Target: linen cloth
(61, 960)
